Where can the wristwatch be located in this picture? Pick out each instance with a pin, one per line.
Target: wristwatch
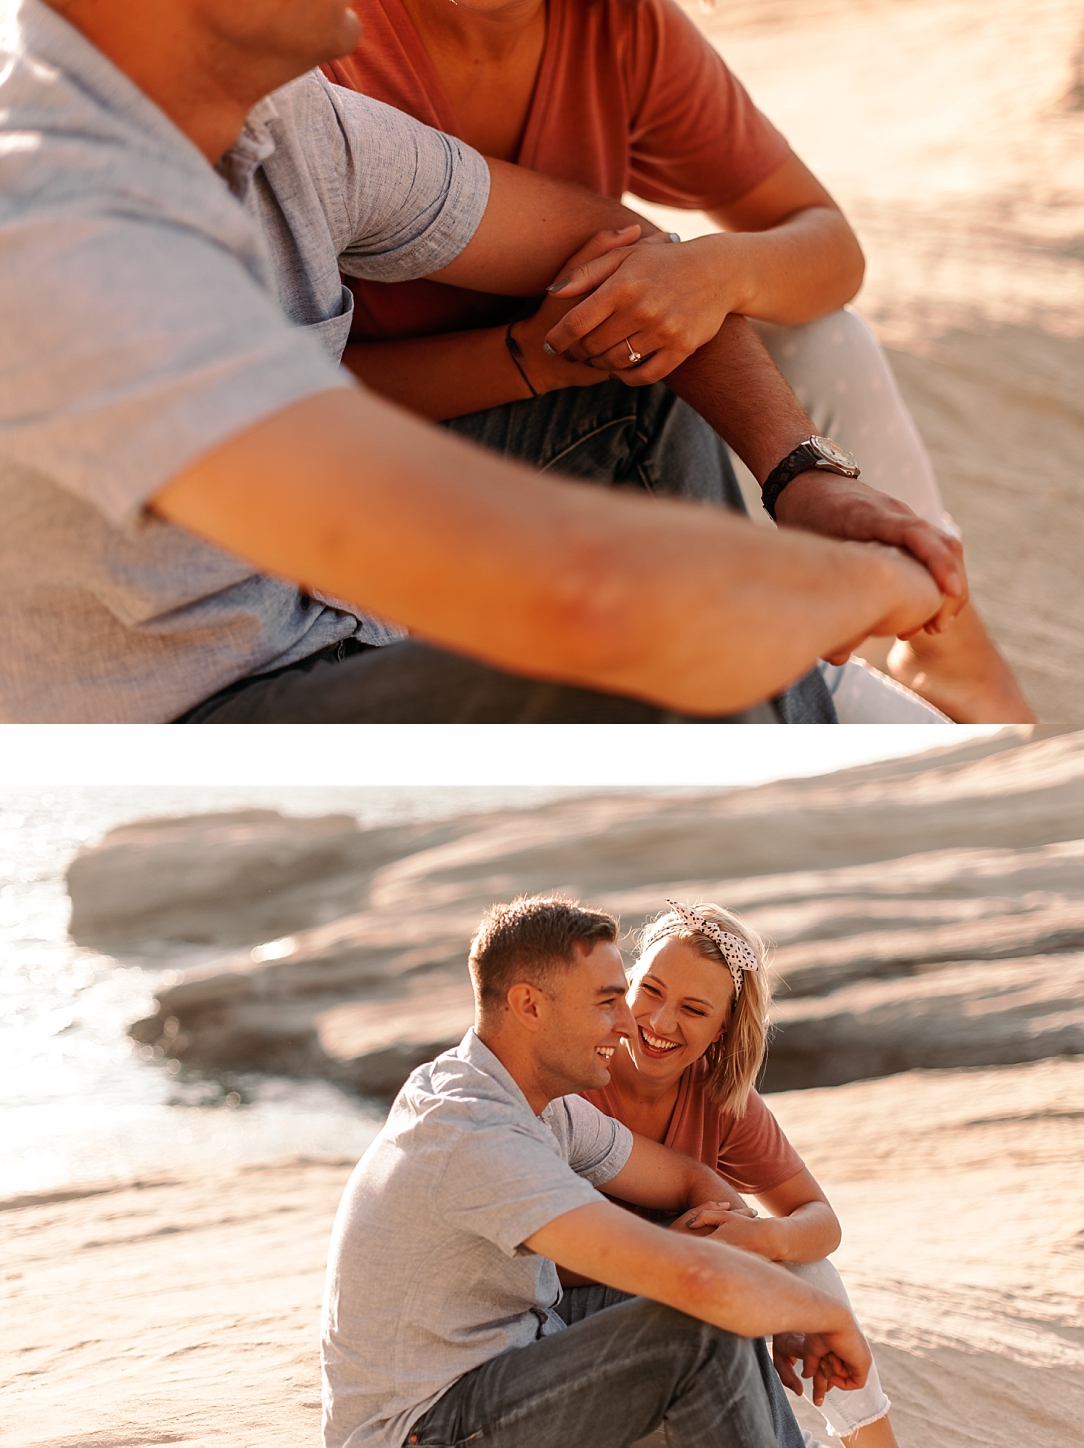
(815, 452)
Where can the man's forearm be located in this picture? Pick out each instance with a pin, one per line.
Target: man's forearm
(693, 609)
(737, 388)
(722, 1285)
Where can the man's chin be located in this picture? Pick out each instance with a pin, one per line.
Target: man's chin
(352, 29)
(602, 1075)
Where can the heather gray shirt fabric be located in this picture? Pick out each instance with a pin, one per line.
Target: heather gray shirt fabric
(150, 308)
(427, 1277)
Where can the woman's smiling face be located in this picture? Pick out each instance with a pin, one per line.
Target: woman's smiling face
(680, 1003)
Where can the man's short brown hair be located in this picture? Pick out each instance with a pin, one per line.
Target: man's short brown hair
(529, 941)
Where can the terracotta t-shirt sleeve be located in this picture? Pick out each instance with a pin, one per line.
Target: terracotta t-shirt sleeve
(696, 139)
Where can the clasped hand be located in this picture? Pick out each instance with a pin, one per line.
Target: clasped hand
(831, 1360)
(828, 1363)
(836, 507)
(641, 298)
(623, 294)
(737, 1226)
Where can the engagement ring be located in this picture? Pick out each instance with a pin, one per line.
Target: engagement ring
(633, 356)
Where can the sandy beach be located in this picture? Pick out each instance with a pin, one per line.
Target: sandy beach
(952, 133)
(184, 1310)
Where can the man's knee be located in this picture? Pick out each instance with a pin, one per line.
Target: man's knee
(691, 1341)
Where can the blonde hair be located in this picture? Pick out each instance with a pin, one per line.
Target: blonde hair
(734, 1060)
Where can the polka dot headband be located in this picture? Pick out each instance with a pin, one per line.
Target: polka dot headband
(737, 952)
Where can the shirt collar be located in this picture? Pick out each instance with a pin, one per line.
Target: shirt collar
(251, 149)
(471, 1048)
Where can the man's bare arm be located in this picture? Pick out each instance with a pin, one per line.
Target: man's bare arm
(667, 601)
(736, 387)
(722, 1285)
(657, 1176)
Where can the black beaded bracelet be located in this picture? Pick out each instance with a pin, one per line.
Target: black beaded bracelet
(515, 351)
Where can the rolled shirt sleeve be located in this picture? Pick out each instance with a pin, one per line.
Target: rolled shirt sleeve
(413, 197)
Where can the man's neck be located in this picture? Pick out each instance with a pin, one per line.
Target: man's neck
(534, 1084)
(205, 80)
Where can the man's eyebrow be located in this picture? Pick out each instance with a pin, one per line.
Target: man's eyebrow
(613, 989)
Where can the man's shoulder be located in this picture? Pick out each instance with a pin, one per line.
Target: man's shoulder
(455, 1087)
(314, 103)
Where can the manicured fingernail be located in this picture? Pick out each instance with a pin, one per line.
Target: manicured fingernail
(558, 285)
(548, 350)
(673, 236)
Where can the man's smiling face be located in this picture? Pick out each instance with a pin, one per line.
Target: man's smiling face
(586, 1021)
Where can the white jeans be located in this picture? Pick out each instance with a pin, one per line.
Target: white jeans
(840, 375)
(845, 1411)
(838, 372)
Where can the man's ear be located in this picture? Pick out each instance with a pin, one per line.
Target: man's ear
(527, 1005)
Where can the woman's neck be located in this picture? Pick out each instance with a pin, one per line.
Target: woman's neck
(648, 1105)
(488, 63)
(485, 36)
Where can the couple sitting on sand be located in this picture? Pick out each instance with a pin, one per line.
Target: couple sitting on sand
(445, 1322)
(206, 519)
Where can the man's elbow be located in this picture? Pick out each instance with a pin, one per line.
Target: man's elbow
(588, 622)
(703, 1288)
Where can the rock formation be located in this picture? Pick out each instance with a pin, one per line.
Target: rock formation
(928, 912)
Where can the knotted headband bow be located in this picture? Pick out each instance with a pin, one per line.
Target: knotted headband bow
(737, 952)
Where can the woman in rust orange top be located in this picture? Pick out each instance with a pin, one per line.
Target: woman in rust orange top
(628, 96)
(699, 996)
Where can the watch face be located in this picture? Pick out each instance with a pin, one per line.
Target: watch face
(831, 452)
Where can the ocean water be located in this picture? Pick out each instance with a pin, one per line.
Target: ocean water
(78, 1102)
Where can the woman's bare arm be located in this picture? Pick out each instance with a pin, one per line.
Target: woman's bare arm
(802, 1226)
(787, 255)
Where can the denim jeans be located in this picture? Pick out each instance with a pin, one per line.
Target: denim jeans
(409, 683)
(643, 438)
(608, 1380)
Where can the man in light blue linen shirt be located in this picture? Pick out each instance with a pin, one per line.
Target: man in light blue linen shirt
(195, 496)
(443, 1314)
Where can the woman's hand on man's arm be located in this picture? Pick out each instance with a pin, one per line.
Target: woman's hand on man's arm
(802, 1226)
(786, 255)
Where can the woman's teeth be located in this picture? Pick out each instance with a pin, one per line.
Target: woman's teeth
(656, 1043)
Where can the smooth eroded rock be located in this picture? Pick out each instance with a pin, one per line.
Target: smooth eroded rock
(226, 879)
